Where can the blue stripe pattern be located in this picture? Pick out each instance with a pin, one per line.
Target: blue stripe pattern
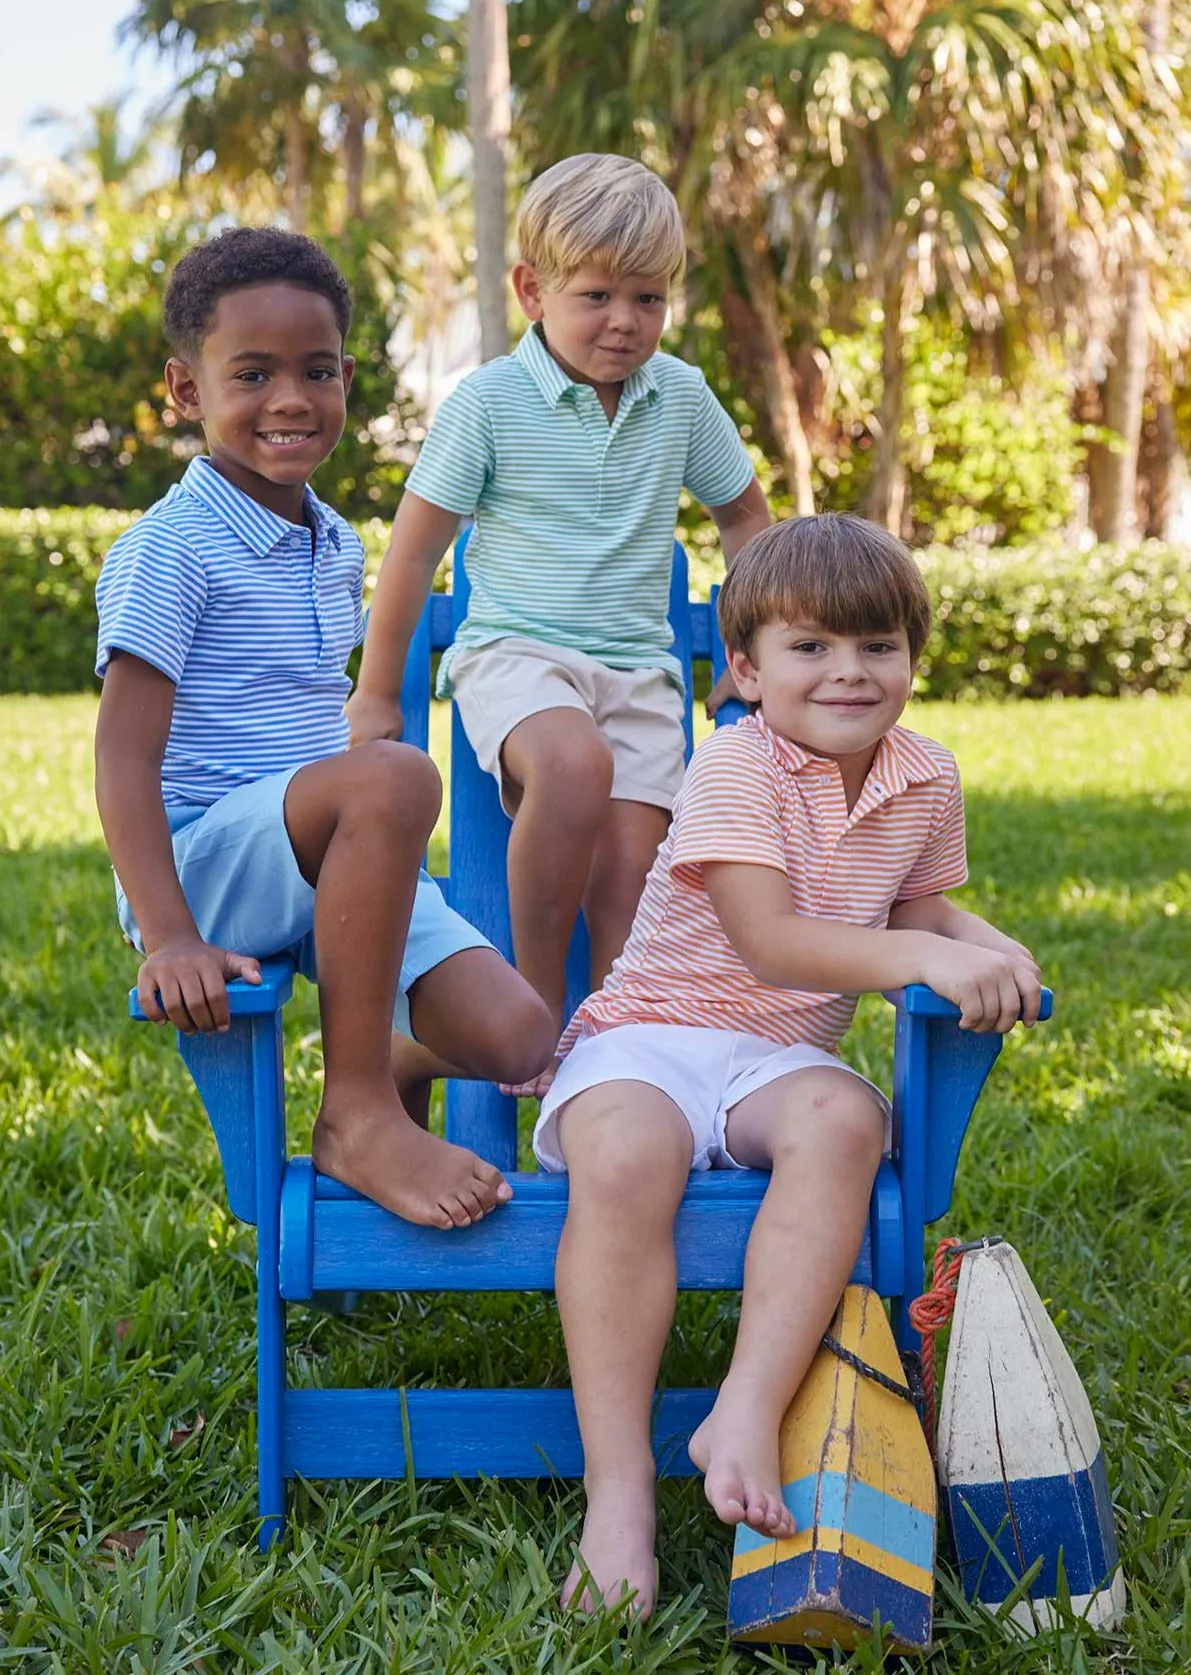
(252, 617)
(829, 1581)
(1067, 1514)
(833, 1501)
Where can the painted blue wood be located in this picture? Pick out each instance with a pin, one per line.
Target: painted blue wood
(707, 628)
(316, 1236)
(938, 1072)
(223, 1070)
(268, 1102)
(462, 1433)
(415, 687)
(332, 1239)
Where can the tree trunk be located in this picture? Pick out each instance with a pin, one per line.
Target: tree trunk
(777, 371)
(1112, 469)
(295, 172)
(887, 491)
(1113, 466)
(488, 106)
(1161, 473)
(353, 162)
(295, 58)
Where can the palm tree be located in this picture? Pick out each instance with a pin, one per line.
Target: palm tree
(272, 89)
(489, 117)
(916, 152)
(100, 157)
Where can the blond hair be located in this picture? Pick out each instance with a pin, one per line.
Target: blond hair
(835, 569)
(602, 209)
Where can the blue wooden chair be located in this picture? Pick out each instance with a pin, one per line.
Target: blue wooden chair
(314, 1235)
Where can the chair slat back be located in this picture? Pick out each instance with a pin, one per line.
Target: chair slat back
(477, 1114)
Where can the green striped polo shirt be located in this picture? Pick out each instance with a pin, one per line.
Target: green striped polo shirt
(575, 514)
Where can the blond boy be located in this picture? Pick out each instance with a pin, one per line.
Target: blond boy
(571, 453)
(810, 849)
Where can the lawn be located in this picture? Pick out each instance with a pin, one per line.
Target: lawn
(127, 1304)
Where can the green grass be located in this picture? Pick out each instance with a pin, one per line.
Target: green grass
(126, 1287)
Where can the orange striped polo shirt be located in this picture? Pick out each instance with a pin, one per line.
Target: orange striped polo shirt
(752, 796)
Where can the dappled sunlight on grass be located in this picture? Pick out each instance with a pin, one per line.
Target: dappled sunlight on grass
(127, 1287)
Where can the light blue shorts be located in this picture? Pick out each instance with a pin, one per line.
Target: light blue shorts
(241, 881)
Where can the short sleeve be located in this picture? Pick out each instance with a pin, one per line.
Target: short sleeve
(943, 861)
(729, 808)
(718, 467)
(458, 456)
(150, 595)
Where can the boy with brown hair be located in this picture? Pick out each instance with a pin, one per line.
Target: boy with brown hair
(811, 848)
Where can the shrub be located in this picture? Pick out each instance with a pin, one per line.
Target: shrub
(1022, 620)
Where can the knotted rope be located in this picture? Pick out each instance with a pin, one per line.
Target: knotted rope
(931, 1312)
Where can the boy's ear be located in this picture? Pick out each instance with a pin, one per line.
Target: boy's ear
(349, 372)
(183, 390)
(745, 675)
(529, 290)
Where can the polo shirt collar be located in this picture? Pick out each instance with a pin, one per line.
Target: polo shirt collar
(254, 524)
(902, 758)
(553, 382)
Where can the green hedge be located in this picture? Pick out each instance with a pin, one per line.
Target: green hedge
(1026, 620)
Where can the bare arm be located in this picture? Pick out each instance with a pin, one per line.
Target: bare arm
(790, 951)
(740, 519)
(737, 521)
(421, 534)
(943, 918)
(186, 973)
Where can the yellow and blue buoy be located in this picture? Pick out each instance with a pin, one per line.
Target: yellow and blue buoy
(1019, 1454)
(858, 1479)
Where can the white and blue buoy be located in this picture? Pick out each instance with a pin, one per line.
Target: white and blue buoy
(1019, 1455)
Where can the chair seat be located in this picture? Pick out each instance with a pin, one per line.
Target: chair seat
(333, 1239)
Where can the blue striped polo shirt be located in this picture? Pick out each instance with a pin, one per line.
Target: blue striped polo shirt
(252, 618)
(575, 513)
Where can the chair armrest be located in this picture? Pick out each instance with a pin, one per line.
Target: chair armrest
(246, 1000)
(920, 1002)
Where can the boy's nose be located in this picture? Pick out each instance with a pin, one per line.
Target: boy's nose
(289, 396)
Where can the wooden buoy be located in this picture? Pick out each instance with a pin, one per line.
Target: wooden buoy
(1019, 1454)
(857, 1476)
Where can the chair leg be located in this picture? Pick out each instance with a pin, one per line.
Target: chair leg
(270, 1395)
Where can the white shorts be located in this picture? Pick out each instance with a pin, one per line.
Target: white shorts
(639, 712)
(704, 1071)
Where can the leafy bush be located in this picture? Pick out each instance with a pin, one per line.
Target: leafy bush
(83, 413)
(1021, 620)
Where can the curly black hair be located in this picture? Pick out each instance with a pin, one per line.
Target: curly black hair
(240, 257)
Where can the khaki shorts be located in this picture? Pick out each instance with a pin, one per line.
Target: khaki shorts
(639, 712)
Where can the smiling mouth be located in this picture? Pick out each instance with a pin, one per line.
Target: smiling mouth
(285, 438)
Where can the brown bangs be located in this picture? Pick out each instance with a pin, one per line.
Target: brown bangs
(840, 571)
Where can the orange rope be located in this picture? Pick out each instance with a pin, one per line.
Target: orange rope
(930, 1313)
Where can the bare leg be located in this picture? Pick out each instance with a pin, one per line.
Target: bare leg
(358, 824)
(628, 1150)
(559, 771)
(820, 1132)
(474, 1016)
(625, 848)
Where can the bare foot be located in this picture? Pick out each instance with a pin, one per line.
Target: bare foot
(364, 1138)
(537, 1087)
(616, 1549)
(736, 1450)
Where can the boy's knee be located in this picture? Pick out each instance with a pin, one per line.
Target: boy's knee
(518, 1037)
(846, 1118)
(573, 766)
(394, 782)
(616, 1155)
